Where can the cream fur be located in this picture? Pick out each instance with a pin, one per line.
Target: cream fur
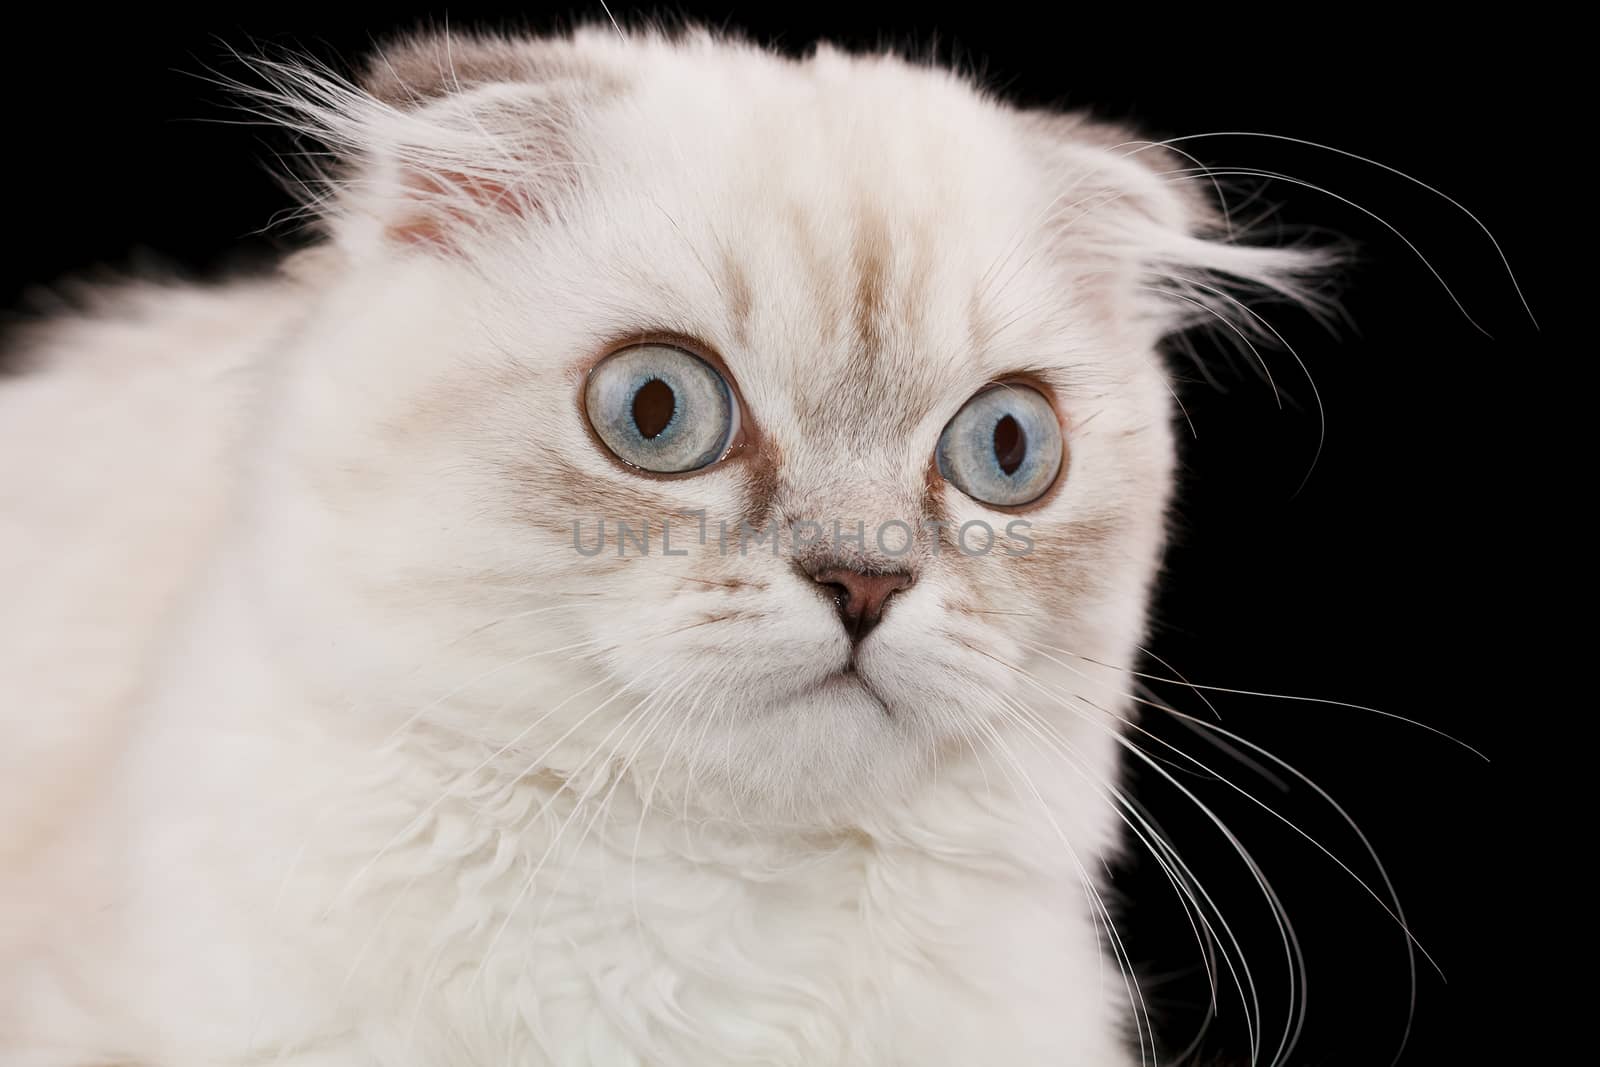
(322, 745)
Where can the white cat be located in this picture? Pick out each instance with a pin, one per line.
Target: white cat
(330, 736)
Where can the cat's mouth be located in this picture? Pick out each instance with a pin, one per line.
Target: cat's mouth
(849, 679)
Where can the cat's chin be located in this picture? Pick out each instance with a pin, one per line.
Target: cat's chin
(832, 750)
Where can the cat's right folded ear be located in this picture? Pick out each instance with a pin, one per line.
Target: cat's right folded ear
(443, 139)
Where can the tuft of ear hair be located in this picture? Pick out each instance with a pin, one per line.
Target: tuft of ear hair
(1160, 214)
(441, 138)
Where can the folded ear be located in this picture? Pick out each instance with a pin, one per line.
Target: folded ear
(443, 138)
(1146, 213)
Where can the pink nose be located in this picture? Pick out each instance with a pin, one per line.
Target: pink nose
(859, 598)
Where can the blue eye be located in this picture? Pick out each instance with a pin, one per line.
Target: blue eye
(661, 409)
(1003, 447)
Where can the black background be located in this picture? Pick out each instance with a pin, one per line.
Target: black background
(1376, 584)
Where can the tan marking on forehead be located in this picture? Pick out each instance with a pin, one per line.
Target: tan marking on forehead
(870, 258)
(863, 296)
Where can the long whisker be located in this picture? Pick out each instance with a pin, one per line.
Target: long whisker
(1385, 905)
(1275, 904)
(1316, 394)
(1171, 864)
(470, 682)
(1290, 696)
(1203, 306)
(639, 713)
(1211, 729)
(417, 822)
(1504, 260)
(663, 709)
(1253, 172)
(689, 709)
(1280, 916)
(1142, 1024)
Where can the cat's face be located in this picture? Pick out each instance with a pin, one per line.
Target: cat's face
(819, 266)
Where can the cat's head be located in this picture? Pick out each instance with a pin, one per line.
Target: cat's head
(848, 370)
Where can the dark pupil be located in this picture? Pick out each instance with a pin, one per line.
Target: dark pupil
(1010, 444)
(653, 406)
